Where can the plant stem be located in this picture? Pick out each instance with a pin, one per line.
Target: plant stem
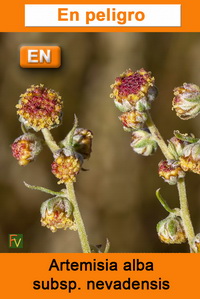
(70, 187)
(158, 138)
(185, 212)
(188, 227)
(49, 140)
(77, 216)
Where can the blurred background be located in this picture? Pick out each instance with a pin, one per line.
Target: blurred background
(117, 195)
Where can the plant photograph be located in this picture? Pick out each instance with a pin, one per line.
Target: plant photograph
(103, 153)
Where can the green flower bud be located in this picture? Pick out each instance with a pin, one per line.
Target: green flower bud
(170, 230)
(143, 143)
(123, 107)
(186, 102)
(178, 143)
(176, 146)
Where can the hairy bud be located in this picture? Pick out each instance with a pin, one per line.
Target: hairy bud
(186, 101)
(190, 159)
(82, 142)
(170, 230)
(56, 213)
(133, 120)
(143, 143)
(66, 165)
(25, 148)
(170, 171)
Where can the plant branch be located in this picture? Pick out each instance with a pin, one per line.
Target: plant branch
(77, 216)
(49, 140)
(158, 138)
(185, 214)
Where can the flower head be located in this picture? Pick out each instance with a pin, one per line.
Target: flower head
(134, 90)
(176, 146)
(82, 142)
(66, 165)
(190, 159)
(186, 101)
(143, 143)
(133, 120)
(170, 230)
(40, 108)
(25, 148)
(170, 171)
(56, 214)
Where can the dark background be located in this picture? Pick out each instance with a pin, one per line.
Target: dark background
(117, 195)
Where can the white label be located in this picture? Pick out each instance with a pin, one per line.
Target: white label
(62, 15)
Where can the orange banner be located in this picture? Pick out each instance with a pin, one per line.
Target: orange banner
(12, 17)
(108, 275)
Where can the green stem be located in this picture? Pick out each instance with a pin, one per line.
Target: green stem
(185, 212)
(49, 140)
(158, 138)
(77, 216)
(188, 227)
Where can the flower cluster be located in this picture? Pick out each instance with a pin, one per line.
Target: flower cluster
(133, 93)
(40, 109)
(187, 153)
(185, 148)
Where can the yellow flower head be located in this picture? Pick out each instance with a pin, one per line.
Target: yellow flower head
(66, 166)
(40, 108)
(55, 214)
